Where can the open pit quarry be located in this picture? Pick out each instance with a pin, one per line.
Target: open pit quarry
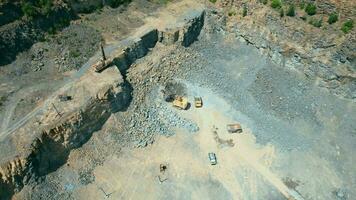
(110, 140)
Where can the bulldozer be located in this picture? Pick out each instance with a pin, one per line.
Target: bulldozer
(180, 102)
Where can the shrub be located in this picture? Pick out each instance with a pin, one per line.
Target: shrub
(244, 11)
(316, 23)
(310, 9)
(276, 4)
(333, 17)
(291, 11)
(281, 12)
(213, 1)
(304, 18)
(347, 26)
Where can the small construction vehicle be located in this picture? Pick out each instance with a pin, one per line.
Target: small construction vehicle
(104, 61)
(198, 102)
(63, 97)
(180, 102)
(234, 128)
(212, 158)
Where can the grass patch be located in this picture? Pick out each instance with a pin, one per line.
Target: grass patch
(333, 17)
(347, 26)
(310, 9)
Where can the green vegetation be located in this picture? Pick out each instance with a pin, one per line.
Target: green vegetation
(347, 26)
(281, 12)
(276, 4)
(2, 100)
(116, 3)
(74, 53)
(244, 11)
(155, 1)
(302, 5)
(28, 9)
(333, 17)
(264, 1)
(213, 1)
(316, 23)
(36, 7)
(291, 11)
(231, 13)
(310, 9)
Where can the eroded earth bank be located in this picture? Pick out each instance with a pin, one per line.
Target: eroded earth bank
(296, 108)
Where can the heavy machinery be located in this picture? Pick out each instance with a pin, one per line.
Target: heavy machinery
(198, 102)
(63, 97)
(234, 128)
(180, 102)
(104, 62)
(212, 158)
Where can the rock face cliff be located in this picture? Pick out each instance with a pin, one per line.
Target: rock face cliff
(49, 144)
(45, 141)
(325, 54)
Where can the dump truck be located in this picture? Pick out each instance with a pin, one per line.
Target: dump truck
(234, 128)
(180, 102)
(198, 102)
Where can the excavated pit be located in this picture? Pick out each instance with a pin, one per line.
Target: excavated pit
(291, 114)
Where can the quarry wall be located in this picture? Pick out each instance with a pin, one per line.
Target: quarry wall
(104, 93)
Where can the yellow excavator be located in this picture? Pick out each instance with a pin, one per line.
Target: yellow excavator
(180, 102)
